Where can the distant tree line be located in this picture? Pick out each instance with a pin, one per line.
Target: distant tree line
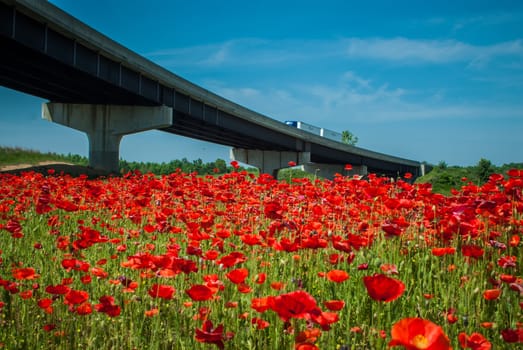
(219, 166)
(198, 166)
(444, 177)
(18, 155)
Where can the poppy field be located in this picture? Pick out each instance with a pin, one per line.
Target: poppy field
(240, 261)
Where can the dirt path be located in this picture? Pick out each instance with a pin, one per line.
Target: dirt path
(24, 166)
(57, 167)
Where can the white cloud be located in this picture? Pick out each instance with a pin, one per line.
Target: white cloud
(404, 50)
(248, 52)
(259, 52)
(487, 19)
(353, 78)
(325, 105)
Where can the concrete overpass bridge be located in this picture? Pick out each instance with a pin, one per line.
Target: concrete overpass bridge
(98, 86)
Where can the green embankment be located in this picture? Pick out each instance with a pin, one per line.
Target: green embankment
(17, 155)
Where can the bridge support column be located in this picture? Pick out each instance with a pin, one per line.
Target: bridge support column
(105, 125)
(269, 162)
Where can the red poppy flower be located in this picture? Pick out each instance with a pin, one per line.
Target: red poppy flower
(49, 327)
(260, 278)
(324, 319)
(213, 282)
(84, 309)
(308, 335)
(58, 289)
(475, 341)
(199, 292)
(417, 333)
(334, 305)
(68, 280)
(491, 294)
(507, 278)
(27, 294)
(231, 304)
(13, 226)
(472, 251)
(210, 335)
(298, 304)
(75, 264)
(24, 273)
(99, 272)
(514, 241)
(337, 276)
(231, 259)
(76, 297)
(512, 335)
(44, 303)
(161, 291)
(260, 304)
(260, 323)
(152, 312)
(211, 254)
(244, 288)
(277, 285)
(389, 269)
(391, 229)
(86, 279)
(515, 173)
(443, 251)
(238, 275)
(507, 261)
(251, 239)
(383, 288)
(107, 306)
(273, 210)
(363, 266)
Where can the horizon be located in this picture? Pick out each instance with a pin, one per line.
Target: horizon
(431, 82)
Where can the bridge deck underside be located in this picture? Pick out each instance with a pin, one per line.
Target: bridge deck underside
(220, 131)
(322, 154)
(51, 63)
(38, 74)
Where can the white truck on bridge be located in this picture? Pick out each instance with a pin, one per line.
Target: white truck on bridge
(329, 134)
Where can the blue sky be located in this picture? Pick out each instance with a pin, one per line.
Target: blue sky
(424, 80)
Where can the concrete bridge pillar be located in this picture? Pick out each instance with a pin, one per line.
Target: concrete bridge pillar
(269, 162)
(105, 125)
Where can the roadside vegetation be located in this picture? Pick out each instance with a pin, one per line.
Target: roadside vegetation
(445, 178)
(17, 155)
(442, 177)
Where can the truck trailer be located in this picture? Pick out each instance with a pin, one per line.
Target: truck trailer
(328, 134)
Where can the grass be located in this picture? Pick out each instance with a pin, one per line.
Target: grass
(126, 234)
(17, 155)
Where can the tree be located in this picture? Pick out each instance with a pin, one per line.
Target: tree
(484, 169)
(442, 164)
(349, 138)
(221, 165)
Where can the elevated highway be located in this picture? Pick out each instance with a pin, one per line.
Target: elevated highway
(102, 88)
